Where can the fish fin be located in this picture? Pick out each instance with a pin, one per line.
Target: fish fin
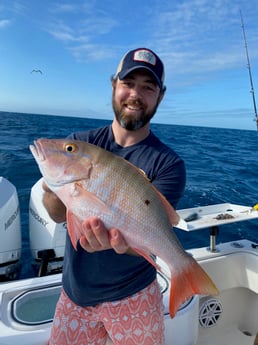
(93, 201)
(189, 281)
(172, 214)
(74, 227)
(143, 173)
(147, 257)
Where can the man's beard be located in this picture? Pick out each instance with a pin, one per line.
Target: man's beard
(130, 122)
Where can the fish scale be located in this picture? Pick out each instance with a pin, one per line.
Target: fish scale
(94, 182)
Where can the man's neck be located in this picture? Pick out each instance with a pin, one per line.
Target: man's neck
(124, 138)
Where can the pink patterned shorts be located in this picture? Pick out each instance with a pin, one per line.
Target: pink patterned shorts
(136, 320)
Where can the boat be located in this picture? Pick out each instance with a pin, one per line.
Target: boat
(27, 305)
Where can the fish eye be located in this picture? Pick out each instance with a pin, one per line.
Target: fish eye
(70, 147)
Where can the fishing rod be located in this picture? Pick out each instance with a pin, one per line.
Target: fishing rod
(249, 70)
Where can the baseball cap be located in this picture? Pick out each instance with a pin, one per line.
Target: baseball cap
(141, 58)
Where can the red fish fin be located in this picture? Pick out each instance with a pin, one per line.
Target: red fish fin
(191, 280)
(148, 258)
(74, 227)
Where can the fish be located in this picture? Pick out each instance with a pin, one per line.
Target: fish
(92, 181)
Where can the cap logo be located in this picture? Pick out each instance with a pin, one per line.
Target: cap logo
(145, 56)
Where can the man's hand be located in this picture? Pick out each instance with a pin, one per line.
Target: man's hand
(97, 237)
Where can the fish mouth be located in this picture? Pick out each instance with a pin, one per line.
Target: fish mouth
(53, 178)
(37, 151)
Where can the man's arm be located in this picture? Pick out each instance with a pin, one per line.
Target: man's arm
(54, 206)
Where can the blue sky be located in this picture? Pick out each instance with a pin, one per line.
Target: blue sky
(78, 44)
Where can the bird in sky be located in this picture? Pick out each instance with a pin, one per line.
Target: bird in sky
(36, 71)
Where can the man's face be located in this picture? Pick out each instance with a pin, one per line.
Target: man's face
(135, 99)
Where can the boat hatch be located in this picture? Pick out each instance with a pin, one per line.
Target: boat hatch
(35, 307)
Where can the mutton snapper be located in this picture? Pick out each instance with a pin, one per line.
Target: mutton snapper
(91, 181)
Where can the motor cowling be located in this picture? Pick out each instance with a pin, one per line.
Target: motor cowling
(10, 231)
(47, 238)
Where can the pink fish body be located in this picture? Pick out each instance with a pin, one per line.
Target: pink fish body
(94, 182)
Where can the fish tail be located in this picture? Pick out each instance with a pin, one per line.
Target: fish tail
(189, 281)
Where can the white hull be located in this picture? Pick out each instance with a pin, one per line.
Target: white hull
(231, 318)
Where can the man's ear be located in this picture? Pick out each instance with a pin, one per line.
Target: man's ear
(162, 93)
(113, 82)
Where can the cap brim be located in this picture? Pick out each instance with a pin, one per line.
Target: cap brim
(123, 74)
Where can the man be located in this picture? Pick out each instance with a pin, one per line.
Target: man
(107, 288)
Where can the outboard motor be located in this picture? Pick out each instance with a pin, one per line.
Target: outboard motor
(10, 231)
(47, 238)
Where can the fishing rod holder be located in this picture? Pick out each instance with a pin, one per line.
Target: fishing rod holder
(214, 232)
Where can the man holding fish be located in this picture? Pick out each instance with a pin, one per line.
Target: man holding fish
(116, 218)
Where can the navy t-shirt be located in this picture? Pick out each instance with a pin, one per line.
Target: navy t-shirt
(93, 278)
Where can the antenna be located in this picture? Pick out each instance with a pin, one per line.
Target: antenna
(249, 70)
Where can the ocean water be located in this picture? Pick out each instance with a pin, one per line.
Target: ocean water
(222, 166)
